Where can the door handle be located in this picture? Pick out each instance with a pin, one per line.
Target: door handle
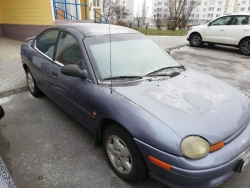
(30, 59)
(222, 30)
(54, 74)
(246, 30)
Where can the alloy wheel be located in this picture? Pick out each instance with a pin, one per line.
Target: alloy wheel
(196, 40)
(119, 154)
(246, 47)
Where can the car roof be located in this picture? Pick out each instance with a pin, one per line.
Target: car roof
(240, 13)
(93, 29)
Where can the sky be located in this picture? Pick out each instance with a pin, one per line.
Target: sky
(148, 4)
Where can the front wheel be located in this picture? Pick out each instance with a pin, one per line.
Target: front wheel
(34, 90)
(195, 40)
(123, 155)
(245, 47)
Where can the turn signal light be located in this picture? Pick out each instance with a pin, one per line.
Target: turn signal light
(216, 147)
(160, 163)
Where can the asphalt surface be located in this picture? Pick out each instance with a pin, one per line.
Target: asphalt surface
(42, 146)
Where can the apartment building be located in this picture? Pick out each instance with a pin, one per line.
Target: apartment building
(206, 10)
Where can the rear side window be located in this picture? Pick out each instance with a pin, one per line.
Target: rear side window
(241, 20)
(69, 51)
(46, 42)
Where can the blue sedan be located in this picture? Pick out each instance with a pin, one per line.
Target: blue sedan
(153, 116)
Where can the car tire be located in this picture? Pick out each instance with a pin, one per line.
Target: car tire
(195, 40)
(123, 154)
(245, 47)
(34, 90)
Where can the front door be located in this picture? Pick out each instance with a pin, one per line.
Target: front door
(73, 94)
(215, 31)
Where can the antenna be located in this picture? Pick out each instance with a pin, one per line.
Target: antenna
(111, 83)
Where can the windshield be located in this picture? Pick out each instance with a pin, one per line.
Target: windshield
(131, 55)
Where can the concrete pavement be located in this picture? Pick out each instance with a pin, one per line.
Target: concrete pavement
(12, 77)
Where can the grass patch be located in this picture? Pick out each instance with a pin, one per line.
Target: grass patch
(162, 32)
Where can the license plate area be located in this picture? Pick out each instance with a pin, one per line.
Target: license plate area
(244, 161)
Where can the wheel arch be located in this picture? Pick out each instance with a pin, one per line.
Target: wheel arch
(25, 67)
(247, 37)
(101, 127)
(195, 32)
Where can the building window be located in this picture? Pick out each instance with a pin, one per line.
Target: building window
(154, 10)
(198, 10)
(217, 15)
(242, 8)
(210, 15)
(205, 3)
(218, 9)
(204, 10)
(197, 16)
(220, 2)
(243, 2)
(248, 7)
(210, 8)
(96, 3)
(159, 3)
(155, 4)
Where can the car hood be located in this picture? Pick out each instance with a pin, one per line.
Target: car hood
(193, 103)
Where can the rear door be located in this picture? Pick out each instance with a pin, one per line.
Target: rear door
(239, 28)
(41, 58)
(73, 94)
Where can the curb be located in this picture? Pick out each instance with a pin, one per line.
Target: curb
(14, 91)
(180, 46)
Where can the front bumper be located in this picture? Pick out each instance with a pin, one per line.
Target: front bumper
(209, 171)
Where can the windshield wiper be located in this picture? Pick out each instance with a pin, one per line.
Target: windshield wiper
(164, 74)
(164, 68)
(122, 77)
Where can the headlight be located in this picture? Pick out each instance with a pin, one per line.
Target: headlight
(194, 147)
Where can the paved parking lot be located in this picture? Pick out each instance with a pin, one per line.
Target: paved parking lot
(42, 146)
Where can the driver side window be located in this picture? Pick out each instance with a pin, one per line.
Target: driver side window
(68, 51)
(222, 21)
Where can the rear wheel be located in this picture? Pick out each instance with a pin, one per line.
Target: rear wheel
(123, 155)
(245, 47)
(34, 90)
(195, 40)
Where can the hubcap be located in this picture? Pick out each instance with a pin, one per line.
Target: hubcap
(30, 82)
(196, 40)
(246, 47)
(119, 154)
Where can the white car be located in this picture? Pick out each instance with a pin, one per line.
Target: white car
(230, 30)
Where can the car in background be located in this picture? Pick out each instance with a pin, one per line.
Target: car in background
(229, 30)
(152, 115)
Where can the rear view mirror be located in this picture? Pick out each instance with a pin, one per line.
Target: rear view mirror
(1, 112)
(74, 70)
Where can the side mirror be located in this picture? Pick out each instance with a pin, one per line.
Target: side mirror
(1, 112)
(75, 71)
(209, 24)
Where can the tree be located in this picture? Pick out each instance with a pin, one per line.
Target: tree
(144, 12)
(179, 12)
(112, 10)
